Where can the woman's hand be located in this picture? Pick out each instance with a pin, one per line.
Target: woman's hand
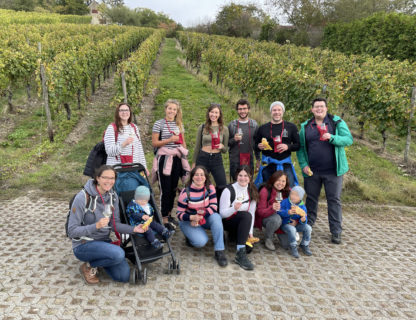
(103, 222)
(195, 219)
(276, 206)
(220, 146)
(139, 229)
(174, 138)
(237, 205)
(145, 217)
(293, 223)
(128, 141)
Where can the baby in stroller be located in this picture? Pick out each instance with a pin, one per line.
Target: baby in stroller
(140, 212)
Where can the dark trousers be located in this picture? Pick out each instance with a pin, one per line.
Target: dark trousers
(235, 164)
(153, 227)
(213, 163)
(271, 168)
(333, 188)
(238, 226)
(168, 185)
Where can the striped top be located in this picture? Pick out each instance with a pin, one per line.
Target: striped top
(199, 198)
(160, 125)
(114, 149)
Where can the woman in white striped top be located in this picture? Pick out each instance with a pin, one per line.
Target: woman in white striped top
(122, 139)
(168, 136)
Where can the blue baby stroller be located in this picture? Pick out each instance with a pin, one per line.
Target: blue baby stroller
(141, 251)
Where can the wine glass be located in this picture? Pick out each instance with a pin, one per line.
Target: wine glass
(240, 197)
(279, 197)
(323, 130)
(107, 213)
(176, 131)
(240, 134)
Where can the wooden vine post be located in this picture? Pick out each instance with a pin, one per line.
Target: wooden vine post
(46, 101)
(409, 126)
(123, 84)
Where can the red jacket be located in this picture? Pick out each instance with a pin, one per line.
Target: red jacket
(264, 207)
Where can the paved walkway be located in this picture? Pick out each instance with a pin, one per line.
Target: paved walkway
(370, 276)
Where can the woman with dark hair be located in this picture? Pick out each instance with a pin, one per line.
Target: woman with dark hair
(197, 212)
(275, 190)
(170, 162)
(211, 140)
(89, 228)
(238, 211)
(122, 139)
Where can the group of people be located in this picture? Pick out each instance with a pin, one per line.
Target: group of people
(272, 203)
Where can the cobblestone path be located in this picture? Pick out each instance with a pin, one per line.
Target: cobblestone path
(370, 276)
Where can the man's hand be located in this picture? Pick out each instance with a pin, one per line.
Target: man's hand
(282, 148)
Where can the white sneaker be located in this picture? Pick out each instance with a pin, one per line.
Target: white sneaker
(297, 237)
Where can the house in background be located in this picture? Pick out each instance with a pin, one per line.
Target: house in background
(96, 15)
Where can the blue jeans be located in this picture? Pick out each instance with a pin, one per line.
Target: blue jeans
(290, 230)
(197, 235)
(106, 255)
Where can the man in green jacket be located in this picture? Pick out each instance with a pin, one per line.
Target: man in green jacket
(322, 157)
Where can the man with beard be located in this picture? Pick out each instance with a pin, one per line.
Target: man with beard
(241, 142)
(277, 139)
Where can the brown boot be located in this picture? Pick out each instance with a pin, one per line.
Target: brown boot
(89, 274)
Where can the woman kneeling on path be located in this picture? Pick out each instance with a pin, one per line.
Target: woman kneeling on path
(90, 229)
(170, 161)
(197, 211)
(275, 190)
(237, 211)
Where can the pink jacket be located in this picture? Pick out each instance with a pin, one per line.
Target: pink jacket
(180, 152)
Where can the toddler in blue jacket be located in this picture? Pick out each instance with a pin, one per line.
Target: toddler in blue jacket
(139, 211)
(294, 219)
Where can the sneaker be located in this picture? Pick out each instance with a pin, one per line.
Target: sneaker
(297, 236)
(166, 234)
(336, 238)
(173, 220)
(242, 260)
(306, 250)
(89, 274)
(157, 244)
(268, 243)
(294, 251)
(221, 258)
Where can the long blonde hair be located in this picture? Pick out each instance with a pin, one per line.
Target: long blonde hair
(178, 117)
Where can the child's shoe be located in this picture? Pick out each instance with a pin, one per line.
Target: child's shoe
(166, 234)
(157, 244)
(306, 250)
(294, 251)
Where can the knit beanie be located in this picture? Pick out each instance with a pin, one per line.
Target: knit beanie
(299, 190)
(142, 192)
(277, 103)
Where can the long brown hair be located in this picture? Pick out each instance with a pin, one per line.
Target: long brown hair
(276, 176)
(252, 190)
(99, 171)
(207, 126)
(117, 119)
(191, 176)
(178, 117)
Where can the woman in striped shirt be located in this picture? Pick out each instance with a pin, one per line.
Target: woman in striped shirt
(122, 139)
(197, 211)
(168, 137)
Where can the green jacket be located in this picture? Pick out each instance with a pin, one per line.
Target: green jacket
(340, 140)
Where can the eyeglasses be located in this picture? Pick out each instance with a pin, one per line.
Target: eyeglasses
(124, 110)
(108, 178)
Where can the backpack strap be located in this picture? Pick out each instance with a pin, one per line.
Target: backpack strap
(232, 193)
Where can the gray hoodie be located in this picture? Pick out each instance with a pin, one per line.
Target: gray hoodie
(82, 224)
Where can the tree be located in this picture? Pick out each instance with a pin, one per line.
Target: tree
(239, 20)
(113, 3)
(78, 7)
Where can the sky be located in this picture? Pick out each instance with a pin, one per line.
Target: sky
(186, 12)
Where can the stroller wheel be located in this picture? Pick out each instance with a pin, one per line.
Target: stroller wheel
(171, 266)
(178, 269)
(144, 276)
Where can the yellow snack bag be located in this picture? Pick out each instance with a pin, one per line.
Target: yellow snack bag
(265, 144)
(147, 223)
